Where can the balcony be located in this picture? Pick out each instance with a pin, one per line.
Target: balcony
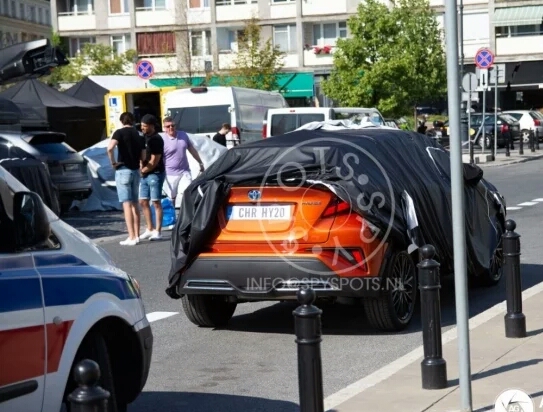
(236, 10)
(282, 11)
(76, 21)
(153, 12)
(322, 7)
(521, 45)
(199, 16)
(164, 64)
(318, 56)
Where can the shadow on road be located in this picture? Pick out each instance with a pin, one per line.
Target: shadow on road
(97, 224)
(350, 320)
(207, 402)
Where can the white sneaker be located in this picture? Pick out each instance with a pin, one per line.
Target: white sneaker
(129, 242)
(156, 235)
(147, 234)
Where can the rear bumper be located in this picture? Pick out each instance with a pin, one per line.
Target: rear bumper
(271, 278)
(74, 190)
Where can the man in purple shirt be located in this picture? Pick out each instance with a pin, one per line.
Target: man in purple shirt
(176, 144)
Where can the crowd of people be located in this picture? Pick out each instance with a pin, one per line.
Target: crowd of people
(146, 165)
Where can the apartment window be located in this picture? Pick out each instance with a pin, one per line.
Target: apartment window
(77, 43)
(234, 2)
(284, 36)
(152, 5)
(5, 7)
(118, 7)
(519, 31)
(198, 4)
(283, 1)
(33, 15)
(158, 43)
(120, 44)
(13, 9)
(200, 43)
(22, 11)
(327, 34)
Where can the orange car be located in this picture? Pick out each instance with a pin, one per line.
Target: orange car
(275, 239)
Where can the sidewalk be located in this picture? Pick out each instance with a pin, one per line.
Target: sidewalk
(501, 159)
(497, 364)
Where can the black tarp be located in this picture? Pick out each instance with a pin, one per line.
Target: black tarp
(82, 122)
(379, 172)
(88, 91)
(35, 176)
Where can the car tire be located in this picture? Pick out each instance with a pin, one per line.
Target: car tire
(493, 276)
(383, 312)
(94, 347)
(208, 310)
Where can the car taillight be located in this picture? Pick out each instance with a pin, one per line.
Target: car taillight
(354, 257)
(504, 128)
(537, 122)
(336, 207)
(264, 127)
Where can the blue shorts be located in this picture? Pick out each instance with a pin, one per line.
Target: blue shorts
(127, 182)
(151, 186)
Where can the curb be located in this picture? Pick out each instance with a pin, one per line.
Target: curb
(356, 388)
(106, 239)
(521, 160)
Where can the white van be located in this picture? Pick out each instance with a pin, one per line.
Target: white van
(202, 110)
(284, 120)
(63, 300)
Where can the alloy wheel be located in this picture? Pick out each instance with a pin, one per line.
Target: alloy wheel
(404, 290)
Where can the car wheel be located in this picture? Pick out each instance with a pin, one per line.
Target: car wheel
(394, 310)
(208, 310)
(525, 136)
(493, 275)
(94, 347)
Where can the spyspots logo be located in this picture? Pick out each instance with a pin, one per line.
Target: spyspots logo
(307, 216)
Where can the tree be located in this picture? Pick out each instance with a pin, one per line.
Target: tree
(257, 64)
(393, 60)
(94, 59)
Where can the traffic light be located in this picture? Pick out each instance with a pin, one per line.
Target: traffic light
(30, 59)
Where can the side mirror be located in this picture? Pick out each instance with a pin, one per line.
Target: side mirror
(30, 219)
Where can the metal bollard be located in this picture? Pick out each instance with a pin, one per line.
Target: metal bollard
(307, 323)
(88, 396)
(536, 139)
(521, 145)
(532, 141)
(508, 144)
(515, 321)
(433, 366)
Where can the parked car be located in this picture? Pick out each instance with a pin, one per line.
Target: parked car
(68, 169)
(530, 120)
(334, 211)
(508, 128)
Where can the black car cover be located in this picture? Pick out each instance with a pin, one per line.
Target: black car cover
(35, 176)
(398, 180)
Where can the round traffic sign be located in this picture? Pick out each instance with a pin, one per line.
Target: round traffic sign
(484, 58)
(145, 69)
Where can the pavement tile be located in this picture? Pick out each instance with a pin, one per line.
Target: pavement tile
(497, 364)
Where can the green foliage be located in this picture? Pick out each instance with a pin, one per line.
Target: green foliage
(94, 59)
(393, 59)
(258, 63)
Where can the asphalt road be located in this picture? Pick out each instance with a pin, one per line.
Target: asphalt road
(251, 365)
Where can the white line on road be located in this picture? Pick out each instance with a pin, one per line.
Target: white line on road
(527, 204)
(154, 316)
(537, 200)
(513, 208)
(336, 399)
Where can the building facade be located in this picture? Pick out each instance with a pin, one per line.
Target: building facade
(24, 20)
(192, 36)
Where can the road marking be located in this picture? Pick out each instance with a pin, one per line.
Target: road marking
(154, 316)
(537, 200)
(527, 204)
(336, 399)
(513, 208)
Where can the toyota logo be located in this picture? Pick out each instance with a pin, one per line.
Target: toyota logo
(254, 195)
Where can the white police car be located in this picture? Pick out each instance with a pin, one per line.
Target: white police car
(62, 300)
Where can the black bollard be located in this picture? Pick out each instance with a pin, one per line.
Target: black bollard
(88, 396)
(532, 141)
(536, 139)
(433, 366)
(307, 323)
(508, 144)
(521, 145)
(515, 321)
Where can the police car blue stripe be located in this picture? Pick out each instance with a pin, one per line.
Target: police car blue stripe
(20, 293)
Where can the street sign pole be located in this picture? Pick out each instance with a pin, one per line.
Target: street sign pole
(469, 84)
(458, 217)
(484, 121)
(471, 160)
(497, 70)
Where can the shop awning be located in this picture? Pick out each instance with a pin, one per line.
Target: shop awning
(518, 16)
(291, 85)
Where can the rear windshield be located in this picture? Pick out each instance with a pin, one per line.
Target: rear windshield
(287, 122)
(536, 115)
(53, 148)
(515, 115)
(205, 119)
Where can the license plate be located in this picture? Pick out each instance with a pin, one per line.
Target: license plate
(250, 212)
(71, 168)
